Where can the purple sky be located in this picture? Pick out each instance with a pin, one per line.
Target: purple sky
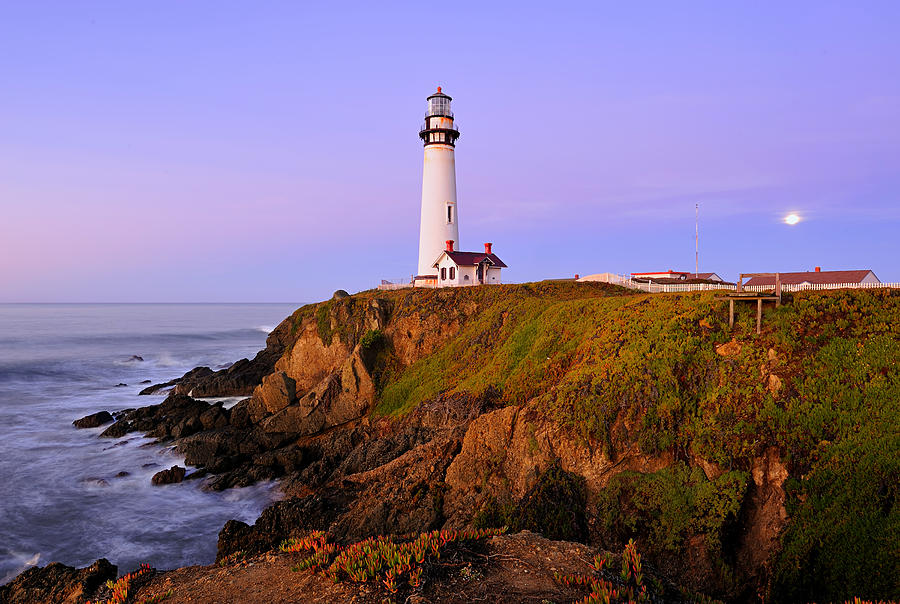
(210, 151)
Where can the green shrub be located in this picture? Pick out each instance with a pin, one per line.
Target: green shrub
(664, 508)
(554, 507)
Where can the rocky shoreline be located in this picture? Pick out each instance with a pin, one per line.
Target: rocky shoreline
(307, 421)
(457, 459)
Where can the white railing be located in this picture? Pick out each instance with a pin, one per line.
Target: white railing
(392, 286)
(655, 288)
(661, 288)
(797, 287)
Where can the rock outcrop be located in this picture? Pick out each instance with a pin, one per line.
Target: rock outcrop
(58, 584)
(660, 426)
(94, 420)
(173, 475)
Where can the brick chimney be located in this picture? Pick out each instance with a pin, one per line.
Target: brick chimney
(449, 245)
(487, 248)
(818, 269)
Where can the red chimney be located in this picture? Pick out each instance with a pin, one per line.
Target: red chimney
(487, 248)
(576, 276)
(449, 245)
(818, 269)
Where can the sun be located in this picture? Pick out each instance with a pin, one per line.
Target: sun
(792, 219)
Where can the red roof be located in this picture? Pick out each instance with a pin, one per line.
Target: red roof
(675, 280)
(474, 258)
(823, 277)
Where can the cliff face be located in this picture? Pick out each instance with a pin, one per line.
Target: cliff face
(587, 413)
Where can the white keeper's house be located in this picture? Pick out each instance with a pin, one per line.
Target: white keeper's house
(467, 268)
(440, 264)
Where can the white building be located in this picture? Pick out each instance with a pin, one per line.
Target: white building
(816, 277)
(439, 222)
(676, 275)
(456, 269)
(439, 218)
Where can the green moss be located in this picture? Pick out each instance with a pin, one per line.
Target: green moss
(323, 322)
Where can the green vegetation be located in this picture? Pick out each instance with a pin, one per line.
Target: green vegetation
(820, 386)
(392, 561)
(667, 506)
(615, 579)
(555, 508)
(118, 590)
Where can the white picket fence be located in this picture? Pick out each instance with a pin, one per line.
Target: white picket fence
(660, 288)
(655, 288)
(392, 286)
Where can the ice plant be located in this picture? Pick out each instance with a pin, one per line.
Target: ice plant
(386, 559)
(119, 589)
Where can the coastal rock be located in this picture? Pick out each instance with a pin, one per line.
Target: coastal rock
(173, 475)
(277, 391)
(57, 583)
(93, 420)
(214, 417)
(117, 430)
(185, 382)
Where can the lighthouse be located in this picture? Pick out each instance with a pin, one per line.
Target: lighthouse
(439, 222)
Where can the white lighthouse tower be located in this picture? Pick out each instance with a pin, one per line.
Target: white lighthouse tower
(440, 220)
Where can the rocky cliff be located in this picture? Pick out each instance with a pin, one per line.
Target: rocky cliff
(581, 411)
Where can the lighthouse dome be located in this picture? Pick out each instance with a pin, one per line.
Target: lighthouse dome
(439, 105)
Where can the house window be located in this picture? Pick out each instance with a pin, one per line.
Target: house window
(443, 274)
(452, 273)
(449, 213)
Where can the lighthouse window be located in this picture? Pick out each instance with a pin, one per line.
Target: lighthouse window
(449, 213)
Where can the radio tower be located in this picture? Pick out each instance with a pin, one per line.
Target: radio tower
(696, 241)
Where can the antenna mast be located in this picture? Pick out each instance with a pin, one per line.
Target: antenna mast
(696, 240)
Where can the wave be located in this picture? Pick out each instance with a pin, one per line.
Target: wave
(17, 561)
(266, 329)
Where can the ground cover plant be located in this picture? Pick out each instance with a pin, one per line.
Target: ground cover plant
(119, 590)
(393, 562)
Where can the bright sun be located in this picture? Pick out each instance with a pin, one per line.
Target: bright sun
(791, 219)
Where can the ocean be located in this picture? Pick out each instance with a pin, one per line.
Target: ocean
(68, 496)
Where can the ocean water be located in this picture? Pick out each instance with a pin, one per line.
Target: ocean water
(61, 498)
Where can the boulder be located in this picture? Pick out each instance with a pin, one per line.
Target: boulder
(173, 475)
(277, 391)
(214, 417)
(93, 420)
(301, 419)
(117, 430)
(340, 295)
